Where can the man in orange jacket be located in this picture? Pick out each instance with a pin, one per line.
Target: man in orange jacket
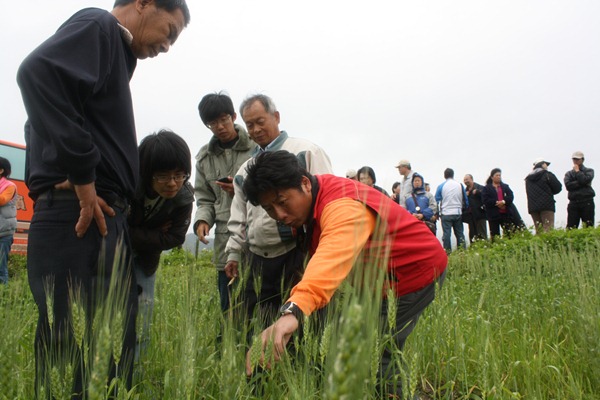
(345, 222)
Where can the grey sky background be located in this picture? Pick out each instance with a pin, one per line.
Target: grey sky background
(470, 85)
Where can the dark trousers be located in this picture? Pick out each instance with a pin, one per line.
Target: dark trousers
(224, 292)
(269, 282)
(580, 211)
(505, 221)
(409, 308)
(58, 265)
(477, 229)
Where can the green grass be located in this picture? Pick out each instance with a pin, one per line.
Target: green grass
(519, 319)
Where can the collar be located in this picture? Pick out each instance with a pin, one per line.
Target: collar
(274, 145)
(243, 143)
(125, 34)
(304, 238)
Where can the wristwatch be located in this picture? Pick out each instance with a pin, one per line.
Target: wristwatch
(291, 308)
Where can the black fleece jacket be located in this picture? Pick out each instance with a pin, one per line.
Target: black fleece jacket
(80, 126)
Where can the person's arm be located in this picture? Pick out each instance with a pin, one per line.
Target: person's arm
(205, 202)
(432, 206)
(168, 235)
(346, 225)
(56, 80)
(554, 183)
(236, 225)
(317, 161)
(585, 177)
(509, 196)
(403, 199)
(429, 210)
(464, 196)
(489, 197)
(438, 193)
(7, 195)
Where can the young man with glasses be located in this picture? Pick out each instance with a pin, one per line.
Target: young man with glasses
(216, 163)
(159, 216)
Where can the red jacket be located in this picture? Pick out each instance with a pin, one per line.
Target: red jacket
(352, 220)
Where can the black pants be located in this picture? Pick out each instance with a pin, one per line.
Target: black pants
(269, 282)
(580, 211)
(408, 310)
(505, 221)
(60, 264)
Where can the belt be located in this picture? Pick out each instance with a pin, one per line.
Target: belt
(53, 194)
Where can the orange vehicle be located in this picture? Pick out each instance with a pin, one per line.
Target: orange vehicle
(15, 153)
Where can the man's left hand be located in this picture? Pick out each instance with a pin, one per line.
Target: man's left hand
(279, 333)
(92, 207)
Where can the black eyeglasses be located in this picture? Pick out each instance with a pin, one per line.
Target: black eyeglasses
(219, 121)
(167, 178)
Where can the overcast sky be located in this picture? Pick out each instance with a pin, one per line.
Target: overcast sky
(470, 85)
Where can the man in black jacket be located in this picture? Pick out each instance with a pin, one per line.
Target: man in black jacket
(82, 168)
(541, 185)
(474, 216)
(578, 182)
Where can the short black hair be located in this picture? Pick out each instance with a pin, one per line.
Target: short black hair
(272, 170)
(448, 173)
(366, 170)
(163, 151)
(168, 5)
(213, 105)
(5, 165)
(395, 185)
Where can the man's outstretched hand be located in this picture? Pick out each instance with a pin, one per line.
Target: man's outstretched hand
(280, 333)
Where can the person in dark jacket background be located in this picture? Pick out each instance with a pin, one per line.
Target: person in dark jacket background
(541, 185)
(498, 199)
(474, 216)
(578, 182)
(159, 216)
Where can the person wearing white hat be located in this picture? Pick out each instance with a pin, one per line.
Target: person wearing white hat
(578, 182)
(351, 174)
(541, 185)
(404, 169)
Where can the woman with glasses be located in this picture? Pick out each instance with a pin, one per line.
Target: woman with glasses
(159, 215)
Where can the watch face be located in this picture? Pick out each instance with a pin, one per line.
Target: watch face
(291, 308)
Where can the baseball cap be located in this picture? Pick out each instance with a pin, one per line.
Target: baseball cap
(540, 160)
(403, 163)
(578, 155)
(351, 173)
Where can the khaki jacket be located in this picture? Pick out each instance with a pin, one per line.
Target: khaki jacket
(213, 204)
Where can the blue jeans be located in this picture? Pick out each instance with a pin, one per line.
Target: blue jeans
(5, 243)
(450, 222)
(145, 308)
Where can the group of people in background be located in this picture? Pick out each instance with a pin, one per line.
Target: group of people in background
(492, 204)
